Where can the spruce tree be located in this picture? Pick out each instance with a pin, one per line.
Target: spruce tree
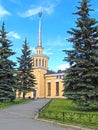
(25, 73)
(7, 77)
(81, 79)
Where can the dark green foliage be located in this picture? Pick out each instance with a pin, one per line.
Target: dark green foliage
(25, 72)
(81, 79)
(7, 78)
(15, 102)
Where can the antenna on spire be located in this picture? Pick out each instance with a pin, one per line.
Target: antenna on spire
(40, 14)
(39, 31)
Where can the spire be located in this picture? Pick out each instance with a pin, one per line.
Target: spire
(39, 31)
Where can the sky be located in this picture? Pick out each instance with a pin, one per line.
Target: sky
(21, 21)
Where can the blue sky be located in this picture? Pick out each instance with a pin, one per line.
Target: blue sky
(21, 20)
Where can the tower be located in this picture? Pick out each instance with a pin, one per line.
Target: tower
(40, 63)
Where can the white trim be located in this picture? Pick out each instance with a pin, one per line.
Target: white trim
(54, 74)
(57, 80)
(49, 81)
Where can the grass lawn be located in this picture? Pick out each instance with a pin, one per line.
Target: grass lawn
(66, 112)
(17, 101)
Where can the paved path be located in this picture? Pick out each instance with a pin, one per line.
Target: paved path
(21, 117)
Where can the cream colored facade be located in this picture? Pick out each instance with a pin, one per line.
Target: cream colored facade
(49, 83)
(53, 85)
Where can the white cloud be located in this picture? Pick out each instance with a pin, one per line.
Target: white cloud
(63, 66)
(3, 12)
(36, 10)
(47, 7)
(14, 35)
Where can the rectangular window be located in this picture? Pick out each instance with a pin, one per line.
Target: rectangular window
(57, 77)
(49, 89)
(57, 88)
(39, 62)
(36, 62)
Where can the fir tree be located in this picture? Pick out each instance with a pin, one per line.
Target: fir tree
(7, 77)
(81, 79)
(25, 72)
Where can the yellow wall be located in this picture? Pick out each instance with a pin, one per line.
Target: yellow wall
(29, 94)
(40, 80)
(52, 79)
